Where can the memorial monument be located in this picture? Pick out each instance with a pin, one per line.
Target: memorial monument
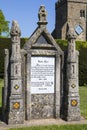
(41, 81)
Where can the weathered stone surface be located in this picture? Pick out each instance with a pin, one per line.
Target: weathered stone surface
(15, 30)
(72, 86)
(74, 13)
(42, 44)
(41, 81)
(42, 106)
(13, 103)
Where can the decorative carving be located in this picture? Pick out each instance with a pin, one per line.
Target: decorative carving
(15, 30)
(16, 69)
(74, 102)
(71, 33)
(42, 15)
(16, 87)
(16, 105)
(16, 48)
(73, 85)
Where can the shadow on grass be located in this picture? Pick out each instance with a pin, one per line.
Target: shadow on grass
(1, 118)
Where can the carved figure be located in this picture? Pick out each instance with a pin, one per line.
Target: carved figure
(15, 30)
(42, 14)
(71, 33)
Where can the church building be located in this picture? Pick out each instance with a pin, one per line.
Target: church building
(73, 12)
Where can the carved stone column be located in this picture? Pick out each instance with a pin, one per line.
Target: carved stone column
(16, 107)
(6, 82)
(72, 87)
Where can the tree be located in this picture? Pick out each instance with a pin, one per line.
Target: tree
(4, 25)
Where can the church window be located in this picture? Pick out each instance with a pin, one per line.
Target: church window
(78, 29)
(82, 13)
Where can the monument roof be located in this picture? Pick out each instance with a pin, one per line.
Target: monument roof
(41, 32)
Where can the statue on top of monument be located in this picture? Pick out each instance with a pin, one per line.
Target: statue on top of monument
(71, 32)
(42, 14)
(15, 30)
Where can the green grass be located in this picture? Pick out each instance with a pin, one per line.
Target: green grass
(54, 127)
(83, 101)
(1, 85)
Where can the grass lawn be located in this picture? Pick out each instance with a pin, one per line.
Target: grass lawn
(1, 85)
(54, 127)
(83, 101)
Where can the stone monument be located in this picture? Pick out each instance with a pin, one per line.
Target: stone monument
(36, 83)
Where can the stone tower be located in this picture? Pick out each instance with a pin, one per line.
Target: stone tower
(73, 12)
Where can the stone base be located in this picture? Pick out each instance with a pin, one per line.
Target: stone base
(74, 118)
(16, 117)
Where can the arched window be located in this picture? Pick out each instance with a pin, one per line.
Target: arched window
(82, 13)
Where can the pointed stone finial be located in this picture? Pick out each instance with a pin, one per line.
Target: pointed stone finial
(42, 15)
(70, 33)
(15, 30)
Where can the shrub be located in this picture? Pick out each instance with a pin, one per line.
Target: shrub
(81, 46)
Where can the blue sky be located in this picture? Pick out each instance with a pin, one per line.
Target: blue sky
(26, 13)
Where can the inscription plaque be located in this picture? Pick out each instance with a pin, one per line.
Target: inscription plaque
(42, 75)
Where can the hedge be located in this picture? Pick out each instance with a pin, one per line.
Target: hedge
(81, 46)
(5, 43)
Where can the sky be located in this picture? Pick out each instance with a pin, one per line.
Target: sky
(26, 13)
